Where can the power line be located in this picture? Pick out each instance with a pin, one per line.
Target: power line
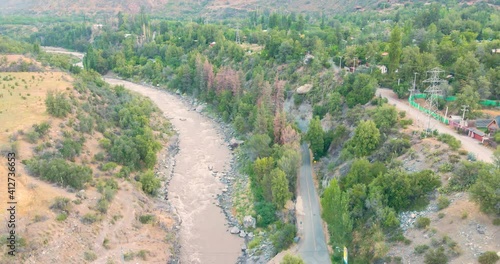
(433, 91)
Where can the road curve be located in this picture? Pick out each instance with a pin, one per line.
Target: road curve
(421, 120)
(312, 247)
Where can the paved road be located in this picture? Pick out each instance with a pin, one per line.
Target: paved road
(312, 246)
(421, 120)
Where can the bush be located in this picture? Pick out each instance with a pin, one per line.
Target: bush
(61, 217)
(283, 237)
(32, 137)
(265, 213)
(436, 256)
(150, 184)
(450, 140)
(291, 259)
(102, 205)
(422, 222)
(109, 166)
(488, 257)
(143, 254)
(146, 219)
(61, 204)
(128, 256)
(443, 202)
(420, 249)
(89, 218)
(496, 221)
(89, 256)
(60, 171)
(57, 104)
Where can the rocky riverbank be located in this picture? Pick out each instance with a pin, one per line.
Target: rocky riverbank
(165, 171)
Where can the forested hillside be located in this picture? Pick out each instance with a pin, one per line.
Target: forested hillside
(249, 70)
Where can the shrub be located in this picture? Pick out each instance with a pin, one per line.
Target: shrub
(254, 243)
(265, 213)
(488, 257)
(109, 166)
(143, 254)
(283, 237)
(128, 256)
(102, 205)
(436, 256)
(60, 171)
(450, 140)
(89, 256)
(496, 221)
(62, 216)
(146, 219)
(422, 222)
(57, 104)
(32, 137)
(150, 184)
(420, 249)
(60, 204)
(291, 259)
(443, 202)
(89, 218)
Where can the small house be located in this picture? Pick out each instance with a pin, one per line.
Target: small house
(481, 123)
(494, 124)
(477, 134)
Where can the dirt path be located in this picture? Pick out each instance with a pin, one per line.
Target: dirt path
(421, 120)
(192, 190)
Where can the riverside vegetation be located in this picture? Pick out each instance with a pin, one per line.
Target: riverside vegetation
(249, 84)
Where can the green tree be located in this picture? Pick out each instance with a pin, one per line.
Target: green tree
(150, 184)
(466, 66)
(258, 146)
(395, 49)
(262, 167)
(289, 163)
(335, 204)
(279, 188)
(366, 139)
(385, 117)
(315, 136)
(486, 191)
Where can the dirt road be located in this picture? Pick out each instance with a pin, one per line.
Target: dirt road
(64, 51)
(192, 190)
(421, 120)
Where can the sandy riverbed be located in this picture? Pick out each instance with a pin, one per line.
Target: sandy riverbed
(203, 235)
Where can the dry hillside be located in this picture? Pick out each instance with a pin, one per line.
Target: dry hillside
(219, 8)
(61, 225)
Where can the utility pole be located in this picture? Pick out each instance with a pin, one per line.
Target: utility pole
(465, 108)
(433, 91)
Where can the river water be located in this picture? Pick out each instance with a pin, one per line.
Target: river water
(204, 235)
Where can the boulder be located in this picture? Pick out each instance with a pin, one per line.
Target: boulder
(234, 230)
(242, 233)
(249, 222)
(234, 143)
